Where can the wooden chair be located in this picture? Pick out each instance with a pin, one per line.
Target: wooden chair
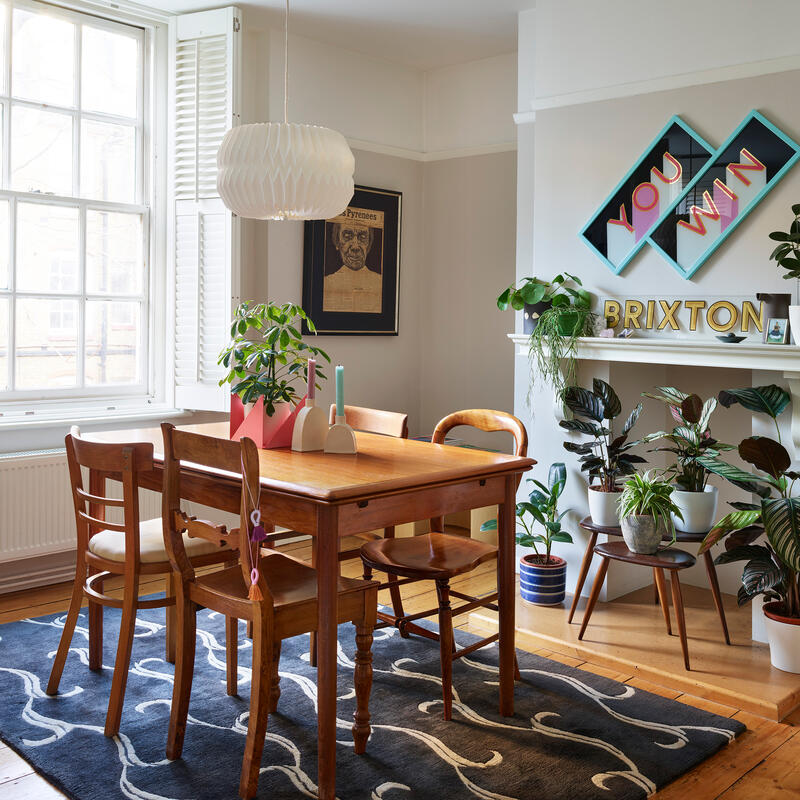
(129, 548)
(283, 604)
(439, 557)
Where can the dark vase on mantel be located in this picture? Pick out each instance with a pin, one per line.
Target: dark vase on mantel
(531, 314)
(776, 306)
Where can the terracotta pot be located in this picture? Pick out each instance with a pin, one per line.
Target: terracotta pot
(543, 584)
(603, 507)
(641, 534)
(783, 634)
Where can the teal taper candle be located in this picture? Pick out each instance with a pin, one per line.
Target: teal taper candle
(339, 391)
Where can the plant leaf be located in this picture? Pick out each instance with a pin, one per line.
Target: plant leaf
(738, 477)
(744, 536)
(736, 520)
(781, 518)
(765, 454)
(692, 408)
(581, 426)
(613, 407)
(584, 403)
(557, 475)
(632, 418)
(770, 399)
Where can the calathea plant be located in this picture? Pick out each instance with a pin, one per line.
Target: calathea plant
(770, 568)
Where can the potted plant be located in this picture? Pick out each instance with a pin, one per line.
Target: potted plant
(689, 441)
(266, 358)
(771, 568)
(606, 456)
(534, 296)
(543, 577)
(646, 511)
(787, 255)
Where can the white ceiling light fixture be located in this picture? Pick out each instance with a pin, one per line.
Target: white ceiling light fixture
(285, 170)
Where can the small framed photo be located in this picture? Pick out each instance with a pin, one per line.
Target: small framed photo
(777, 331)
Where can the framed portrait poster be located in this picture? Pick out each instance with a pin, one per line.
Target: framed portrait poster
(351, 266)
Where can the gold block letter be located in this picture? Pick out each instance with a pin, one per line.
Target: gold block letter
(633, 310)
(711, 316)
(748, 313)
(669, 315)
(695, 306)
(611, 313)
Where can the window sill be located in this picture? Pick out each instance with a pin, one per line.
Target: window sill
(58, 418)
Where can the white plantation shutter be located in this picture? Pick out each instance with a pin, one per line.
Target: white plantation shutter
(205, 233)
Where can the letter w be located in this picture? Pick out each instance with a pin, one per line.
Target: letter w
(711, 212)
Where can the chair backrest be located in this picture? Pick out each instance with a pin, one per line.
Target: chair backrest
(122, 462)
(239, 458)
(373, 420)
(483, 419)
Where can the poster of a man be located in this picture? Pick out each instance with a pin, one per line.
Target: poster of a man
(353, 254)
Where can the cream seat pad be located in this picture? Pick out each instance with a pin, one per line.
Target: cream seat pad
(111, 544)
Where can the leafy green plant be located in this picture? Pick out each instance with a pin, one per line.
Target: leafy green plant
(649, 496)
(542, 508)
(690, 440)
(606, 456)
(532, 290)
(267, 355)
(787, 253)
(771, 568)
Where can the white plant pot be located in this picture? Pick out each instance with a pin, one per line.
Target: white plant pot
(794, 323)
(603, 508)
(699, 510)
(784, 641)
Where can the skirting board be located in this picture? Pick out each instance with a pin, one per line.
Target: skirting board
(26, 573)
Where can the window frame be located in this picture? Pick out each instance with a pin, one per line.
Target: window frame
(76, 402)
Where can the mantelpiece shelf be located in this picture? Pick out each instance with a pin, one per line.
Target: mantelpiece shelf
(684, 352)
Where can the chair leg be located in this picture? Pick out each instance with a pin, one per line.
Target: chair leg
(259, 706)
(367, 571)
(596, 587)
(170, 618)
(585, 564)
(275, 685)
(446, 645)
(362, 677)
(661, 594)
(95, 614)
(394, 591)
(69, 628)
(186, 633)
(122, 661)
(712, 579)
(232, 655)
(677, 600)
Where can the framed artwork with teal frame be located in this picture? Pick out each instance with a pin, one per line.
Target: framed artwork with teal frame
(737, 177)
(619, 228)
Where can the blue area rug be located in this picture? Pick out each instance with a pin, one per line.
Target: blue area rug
(574, 735)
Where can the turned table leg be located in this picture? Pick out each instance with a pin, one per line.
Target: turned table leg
(585, 564)
(596, 587)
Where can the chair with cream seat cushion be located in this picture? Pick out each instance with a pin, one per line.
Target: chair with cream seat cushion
(129, 549)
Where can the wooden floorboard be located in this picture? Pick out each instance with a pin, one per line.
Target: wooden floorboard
(759, 765)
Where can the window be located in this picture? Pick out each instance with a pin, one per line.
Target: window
(74, 214)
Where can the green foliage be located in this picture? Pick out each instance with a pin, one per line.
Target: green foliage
(534, 290)
(541, 508)
(690, 440)
(787, 253)
(607, 456)
(267, 355)
(770, 400)
(647, 495)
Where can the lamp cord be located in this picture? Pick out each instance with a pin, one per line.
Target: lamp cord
(286, 65)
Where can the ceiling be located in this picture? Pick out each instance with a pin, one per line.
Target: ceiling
(422, 34)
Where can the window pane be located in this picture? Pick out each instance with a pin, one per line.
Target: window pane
(47, 343)
(43, 66)
(3, 343)
(4, 271)
(48, 238)
(113, 252)
(112, 342)
(109, 71)
(108, 161)
(41, 151)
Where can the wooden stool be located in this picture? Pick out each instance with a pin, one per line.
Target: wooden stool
(671, 558)
(680, 536)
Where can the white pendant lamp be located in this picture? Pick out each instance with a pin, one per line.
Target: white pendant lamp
(283, 170)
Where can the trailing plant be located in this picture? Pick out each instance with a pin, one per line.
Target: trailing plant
(607, 455)
(542, 508)
(787, 253)
(266, 355)
(771, 568)
(690, 439)
(649, 496)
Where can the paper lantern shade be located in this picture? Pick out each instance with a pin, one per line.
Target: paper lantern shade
(285, 170)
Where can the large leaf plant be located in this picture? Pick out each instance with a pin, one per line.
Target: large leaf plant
(771, 567)
(541, 508)
(606, 455)
(266, 355)
(690, 440)
(787, 253)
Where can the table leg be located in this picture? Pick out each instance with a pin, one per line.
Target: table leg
(596, 587)
(327, 598)
(661, 595)
(585, 564)
(677, 601)
(712, 579)
(506, 594)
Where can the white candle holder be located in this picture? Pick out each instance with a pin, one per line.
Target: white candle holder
(310, 428)
(341, 438)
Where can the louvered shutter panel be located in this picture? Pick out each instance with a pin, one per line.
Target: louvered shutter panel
(205, 235)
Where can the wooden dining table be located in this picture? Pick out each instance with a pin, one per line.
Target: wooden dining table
(329, 496)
